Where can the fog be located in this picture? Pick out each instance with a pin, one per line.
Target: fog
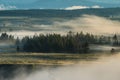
(87, 23)
(106, 68)
(91, 24)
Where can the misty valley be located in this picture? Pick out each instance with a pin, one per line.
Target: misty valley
(51, 44)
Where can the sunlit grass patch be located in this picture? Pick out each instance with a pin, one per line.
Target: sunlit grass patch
(47, 58)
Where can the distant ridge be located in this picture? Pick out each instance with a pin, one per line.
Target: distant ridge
(47, 13)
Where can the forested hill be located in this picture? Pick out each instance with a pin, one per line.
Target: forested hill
(43, 13)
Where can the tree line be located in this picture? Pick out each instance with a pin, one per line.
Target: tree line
(5, 37)
(69, 43)
(56, 43)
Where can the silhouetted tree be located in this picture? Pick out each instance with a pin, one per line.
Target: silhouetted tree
(115, 40)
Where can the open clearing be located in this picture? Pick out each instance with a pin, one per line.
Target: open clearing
(48, 58)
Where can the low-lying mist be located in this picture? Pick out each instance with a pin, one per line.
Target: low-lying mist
(87, 23)
(106, 68)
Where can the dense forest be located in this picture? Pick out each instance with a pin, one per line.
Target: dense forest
(57, 43)
(69, 43)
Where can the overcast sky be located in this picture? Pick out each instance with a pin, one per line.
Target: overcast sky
(57, 4)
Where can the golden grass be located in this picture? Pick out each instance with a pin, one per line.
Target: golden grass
(46, 58)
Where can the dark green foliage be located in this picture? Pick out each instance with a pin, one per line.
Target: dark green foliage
(5, 36)
(56, 43)
(70, 43)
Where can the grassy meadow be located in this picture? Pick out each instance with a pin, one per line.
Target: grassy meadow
(48, 58)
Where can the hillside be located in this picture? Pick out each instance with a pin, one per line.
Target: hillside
(104, 12)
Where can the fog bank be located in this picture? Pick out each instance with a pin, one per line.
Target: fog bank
(87, 23)
(106, 68)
